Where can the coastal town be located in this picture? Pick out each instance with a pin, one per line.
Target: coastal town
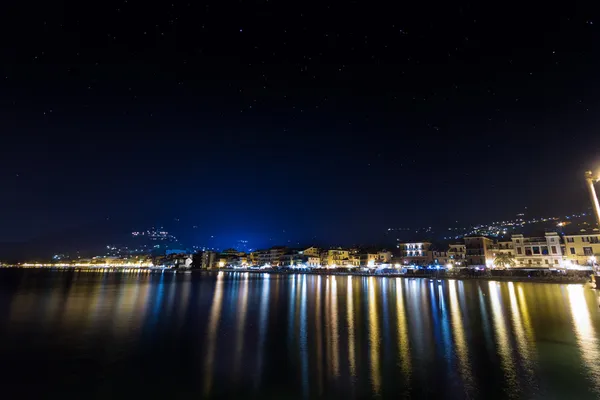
(552, 251)
(567, 246)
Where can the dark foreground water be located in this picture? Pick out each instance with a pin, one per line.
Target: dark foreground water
(241, 335)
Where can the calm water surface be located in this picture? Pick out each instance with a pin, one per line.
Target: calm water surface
(241, 335)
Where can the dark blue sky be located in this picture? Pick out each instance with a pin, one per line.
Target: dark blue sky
(330, 122)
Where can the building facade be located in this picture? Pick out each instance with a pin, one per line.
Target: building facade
(338, 258)
(582, 248)
(312, 251)
(440, 257)
(538, 252)
(457, 254)
(384, 257)
(417, 253)
(478, 251)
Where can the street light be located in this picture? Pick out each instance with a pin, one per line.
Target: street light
(592, 178)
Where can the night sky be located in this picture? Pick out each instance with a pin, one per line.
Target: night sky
(279, 120)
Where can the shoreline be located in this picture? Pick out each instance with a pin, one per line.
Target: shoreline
(531, 279)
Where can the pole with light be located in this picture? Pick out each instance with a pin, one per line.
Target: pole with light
(591, 179)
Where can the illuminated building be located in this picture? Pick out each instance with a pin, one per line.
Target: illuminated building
(209, 260)
(384, 257)
(370, 260)
(298, 259)
(313, 261)
(416, 253)
(582, 248)
(538, 252)
(479, 251)
(457, 254)
(440, 257)
(275, 254)
(312, 251)
(270, 256)
(502, 247)
(233, 258)
(337, 257)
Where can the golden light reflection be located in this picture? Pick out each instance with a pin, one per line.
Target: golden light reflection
(328, 351)
(502, 335)
(403, 338)
(585, 333)
(374, 336)
(96, 300)
(124, 307)
(319, 321)
(262, 329)
(335, 328)
(526, 319)
(350, 321)
(518, 326)
(241, 322)
(460, 340)
(304, 339)
(213, 325)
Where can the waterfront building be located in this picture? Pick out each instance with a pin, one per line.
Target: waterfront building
(255, 257)
(416, 253)
(232, 258)
(504, 247)
(582, 247)
(478, 251)
(538, 252)
(457, 254)
(275, 254)
(313, 261)
(292, 258)
(337, 257)
(299, 259)
(440, 257)
(270, 256)
(312, 251)
(262, 257)
(384, 257)
(370, 260)
(209, 260)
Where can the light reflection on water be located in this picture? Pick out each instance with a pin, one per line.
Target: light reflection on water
(298, 336)
(460, 340)
(402, 333)
(213, 324)
(586, 335)
(374, 336)
(350, 320)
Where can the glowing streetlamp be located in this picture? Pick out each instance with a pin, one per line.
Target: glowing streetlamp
(592, 178)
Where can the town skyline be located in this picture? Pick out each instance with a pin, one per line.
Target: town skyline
(148, 241)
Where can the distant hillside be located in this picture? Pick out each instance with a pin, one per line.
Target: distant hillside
(88, 240)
